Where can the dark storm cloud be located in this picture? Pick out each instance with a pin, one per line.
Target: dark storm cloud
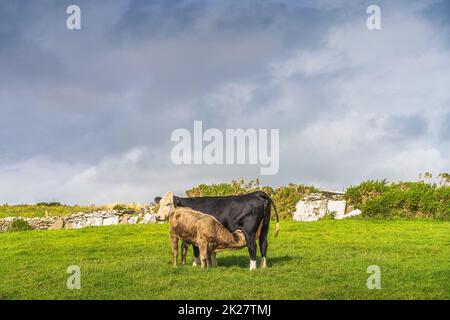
(75, 80)
(220, 19)
(439, 12)
(444, 131)
(87, 115)
(23, 62)
(409, 127)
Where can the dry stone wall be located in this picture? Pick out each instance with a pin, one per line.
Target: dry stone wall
(82, 220)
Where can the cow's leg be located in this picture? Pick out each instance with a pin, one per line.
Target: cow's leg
(174, 241)
(196, 255)
(204, 255)
(251, 246)
(184, 248)
(263, 245)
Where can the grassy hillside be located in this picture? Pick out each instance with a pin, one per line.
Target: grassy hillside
(322, 260)
(30, 211)
(40, 210)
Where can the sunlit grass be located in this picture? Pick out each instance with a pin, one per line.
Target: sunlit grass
(321, 260)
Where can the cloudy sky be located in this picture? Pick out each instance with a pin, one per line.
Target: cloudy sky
(87, 115)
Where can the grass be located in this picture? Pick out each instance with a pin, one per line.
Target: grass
(321, 260)
(38, 211)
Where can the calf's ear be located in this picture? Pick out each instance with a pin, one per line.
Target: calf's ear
(157, 199)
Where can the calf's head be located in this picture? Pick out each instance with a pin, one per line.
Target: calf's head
(167, 206)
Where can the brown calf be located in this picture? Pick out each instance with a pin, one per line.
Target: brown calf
(203, 230)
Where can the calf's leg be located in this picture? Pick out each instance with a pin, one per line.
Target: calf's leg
(184, 248)
(174, 240)
(204, 255)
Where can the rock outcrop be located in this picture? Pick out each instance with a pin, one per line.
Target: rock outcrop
(316, 206)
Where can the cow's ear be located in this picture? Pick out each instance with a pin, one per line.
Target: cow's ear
(157, 199)
(176, 201)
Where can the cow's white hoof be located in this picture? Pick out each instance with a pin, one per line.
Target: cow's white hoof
(196, 262)
(263, 263)
(252, 265)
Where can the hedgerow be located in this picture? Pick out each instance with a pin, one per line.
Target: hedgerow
(380, 199)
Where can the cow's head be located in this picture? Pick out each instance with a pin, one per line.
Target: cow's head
(167, 205)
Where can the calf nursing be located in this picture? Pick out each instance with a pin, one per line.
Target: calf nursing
(203, 230)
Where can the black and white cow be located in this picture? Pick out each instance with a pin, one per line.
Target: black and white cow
(248, 212)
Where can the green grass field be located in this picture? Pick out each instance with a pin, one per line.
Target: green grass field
(321, 260)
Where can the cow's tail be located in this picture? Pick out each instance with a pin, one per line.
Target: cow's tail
(277, 225)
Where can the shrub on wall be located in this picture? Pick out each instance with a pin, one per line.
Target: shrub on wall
(224, 189)
(19, 225)
(119, 206)
(358, 195)
(378, 199)
(49, 204)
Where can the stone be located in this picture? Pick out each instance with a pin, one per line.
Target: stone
(316, 206)
(148, 218)
(80, 224)
(353, 213)
(349, 208)
(68, 225)
(94, 221)
(111, 221)
(124, 219)
(58, 224)
(133, 220)
(337, 208)
(310, 210)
